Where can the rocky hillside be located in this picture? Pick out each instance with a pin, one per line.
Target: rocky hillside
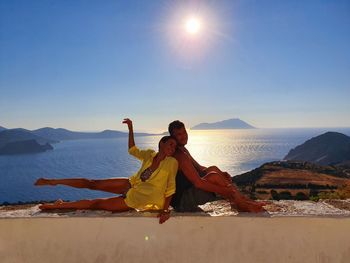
(294, 177)
(330, 148)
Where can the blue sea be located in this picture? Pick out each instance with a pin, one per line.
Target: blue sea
(234, 151)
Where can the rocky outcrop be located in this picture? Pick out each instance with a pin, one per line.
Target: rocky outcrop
(27, 146)
(15, 135)
(17, 141)
(330, 148)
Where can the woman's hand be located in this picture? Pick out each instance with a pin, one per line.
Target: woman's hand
(131, 142)
(163, 216)
(128, 122)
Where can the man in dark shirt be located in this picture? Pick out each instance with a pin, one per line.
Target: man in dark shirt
(197, 184)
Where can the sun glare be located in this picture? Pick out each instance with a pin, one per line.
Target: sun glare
(191, 31)
(192, 25)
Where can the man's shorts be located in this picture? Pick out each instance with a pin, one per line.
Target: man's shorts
(192, 197)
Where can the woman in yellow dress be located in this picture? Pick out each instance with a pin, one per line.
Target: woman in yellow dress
(151, 188)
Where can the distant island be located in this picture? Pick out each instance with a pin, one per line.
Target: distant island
(27, 146)
(19, 141)
(225, 124)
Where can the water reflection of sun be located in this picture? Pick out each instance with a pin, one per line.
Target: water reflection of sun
(223, 148)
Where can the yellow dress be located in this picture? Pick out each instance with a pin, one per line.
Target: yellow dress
(151, 194)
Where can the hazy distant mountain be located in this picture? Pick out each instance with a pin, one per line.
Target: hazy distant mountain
(2, 128)
(19, 140)
(325, 149)
(63, 134)
(225, 124)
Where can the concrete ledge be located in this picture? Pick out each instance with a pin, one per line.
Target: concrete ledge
(181, 239)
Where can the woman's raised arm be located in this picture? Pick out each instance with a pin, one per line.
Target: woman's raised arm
(131, 132)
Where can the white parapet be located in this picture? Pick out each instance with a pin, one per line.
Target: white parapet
(181, 239)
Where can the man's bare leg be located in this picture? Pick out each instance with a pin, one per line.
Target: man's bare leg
(113, 185)
(237, 200)
(225, 175)
(115, 204)
(228, 177)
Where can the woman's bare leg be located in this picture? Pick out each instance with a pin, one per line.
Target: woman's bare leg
(114, 204)
(113, 185)
(237, 200)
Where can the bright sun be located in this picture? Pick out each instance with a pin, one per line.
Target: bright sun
(192, 25)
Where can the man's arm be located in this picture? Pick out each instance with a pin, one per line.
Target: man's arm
(209, 169)
(196, 164)
(185, 164)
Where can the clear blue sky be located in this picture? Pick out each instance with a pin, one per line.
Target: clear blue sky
(84, 65)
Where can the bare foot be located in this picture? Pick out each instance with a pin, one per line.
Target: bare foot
(233, 205)
(46, 206)
(253, 207)
(243, 205)
(58, 202)
(257, 204)
(253, 202)
(43, 181)
(263, 203)
(51, 206)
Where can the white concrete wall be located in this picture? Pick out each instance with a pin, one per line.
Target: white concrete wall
(181, 239)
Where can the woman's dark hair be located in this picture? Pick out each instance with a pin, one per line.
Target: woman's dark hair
(164, 139)
(175, 125)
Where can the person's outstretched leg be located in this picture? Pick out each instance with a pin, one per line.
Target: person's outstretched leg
(113, 185)
(114, 204)
(237, 200)
(228, 178)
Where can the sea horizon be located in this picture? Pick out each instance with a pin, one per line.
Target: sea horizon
(234, 151)
(165, 130)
